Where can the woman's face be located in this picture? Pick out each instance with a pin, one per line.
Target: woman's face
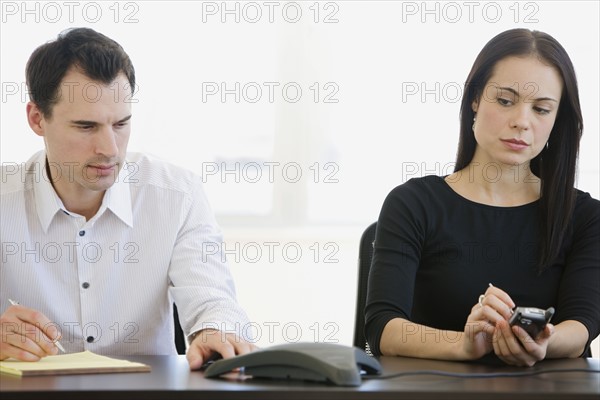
(517, 110)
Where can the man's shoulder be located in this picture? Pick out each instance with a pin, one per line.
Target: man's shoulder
(19, 176)
(142, 169)
(12, 178)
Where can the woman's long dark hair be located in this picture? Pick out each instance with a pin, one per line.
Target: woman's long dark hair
(556, 164)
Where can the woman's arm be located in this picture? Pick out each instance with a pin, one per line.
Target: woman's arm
(568, 341)
(405, 338)
(401, 337)
(515, 347)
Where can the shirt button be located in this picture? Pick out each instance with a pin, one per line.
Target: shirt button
(90, 339)
(85, 285)
(81, 233)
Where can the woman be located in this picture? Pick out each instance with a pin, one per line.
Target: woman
(455, 255)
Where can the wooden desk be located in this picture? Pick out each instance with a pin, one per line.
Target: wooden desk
(171, 378)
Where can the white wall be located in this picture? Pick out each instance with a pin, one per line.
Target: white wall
(388, 76)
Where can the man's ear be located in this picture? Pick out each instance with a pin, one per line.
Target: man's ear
(35, 118)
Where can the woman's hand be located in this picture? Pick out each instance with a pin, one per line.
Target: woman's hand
(514, 346)
(493, 307)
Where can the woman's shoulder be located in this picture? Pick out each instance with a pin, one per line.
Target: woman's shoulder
(420, 192)
(586, 207)
(586, 199)
(585, 224)
(420, 186)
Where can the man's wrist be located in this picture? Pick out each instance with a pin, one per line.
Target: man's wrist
(193, 336)
(197, 333)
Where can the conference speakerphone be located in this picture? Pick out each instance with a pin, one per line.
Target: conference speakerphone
(320, 362)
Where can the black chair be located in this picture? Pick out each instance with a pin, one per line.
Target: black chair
(179, 336)
(365, 255)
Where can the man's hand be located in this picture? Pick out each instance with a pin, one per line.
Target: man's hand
(210, 341)
(27, 334)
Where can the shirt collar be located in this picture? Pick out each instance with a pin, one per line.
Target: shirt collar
(47, 202)
(117, 198)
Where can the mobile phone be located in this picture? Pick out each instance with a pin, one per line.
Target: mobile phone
(532, 319)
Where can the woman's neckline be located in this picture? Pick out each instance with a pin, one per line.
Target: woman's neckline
(442, 180)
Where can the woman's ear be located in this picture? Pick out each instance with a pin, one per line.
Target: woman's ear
(475, 105)
(35, 118)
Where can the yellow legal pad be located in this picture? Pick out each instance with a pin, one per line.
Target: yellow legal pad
(66, 364)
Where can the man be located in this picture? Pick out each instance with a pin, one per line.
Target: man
(97, 243)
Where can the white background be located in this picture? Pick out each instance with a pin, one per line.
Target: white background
(389, 78)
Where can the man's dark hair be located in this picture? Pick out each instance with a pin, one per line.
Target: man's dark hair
(95, 55)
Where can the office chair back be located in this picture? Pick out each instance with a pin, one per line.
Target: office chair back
(365, 255)
(179, 336)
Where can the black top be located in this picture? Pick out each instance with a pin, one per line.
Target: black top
(436, 252)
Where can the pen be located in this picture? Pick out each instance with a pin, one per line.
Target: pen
(56, 342)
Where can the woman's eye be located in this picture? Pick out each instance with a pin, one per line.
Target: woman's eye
(503, 101)
(542, 111)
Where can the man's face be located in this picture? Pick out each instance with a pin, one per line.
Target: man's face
(86, 137)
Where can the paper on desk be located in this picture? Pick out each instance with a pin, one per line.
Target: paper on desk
(76, 363)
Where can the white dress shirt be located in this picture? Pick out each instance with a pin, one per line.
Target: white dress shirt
(108, 283)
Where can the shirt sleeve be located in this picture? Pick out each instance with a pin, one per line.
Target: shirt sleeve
(396, 255)
(579, 291)
(202, 284)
